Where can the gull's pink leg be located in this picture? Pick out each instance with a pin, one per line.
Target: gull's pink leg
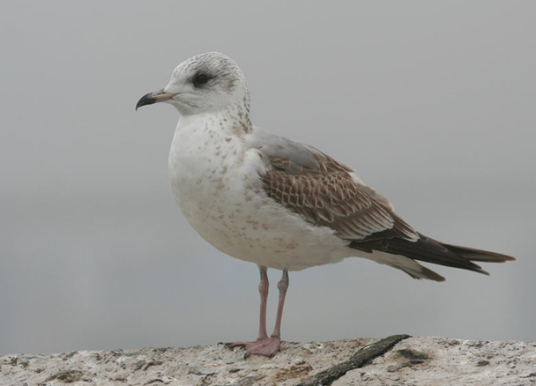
(263, 290)
(282, 286)
(264, 345)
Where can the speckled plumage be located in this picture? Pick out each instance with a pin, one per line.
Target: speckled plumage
(272, 201)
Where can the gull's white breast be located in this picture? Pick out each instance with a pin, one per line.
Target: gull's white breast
(216, 181)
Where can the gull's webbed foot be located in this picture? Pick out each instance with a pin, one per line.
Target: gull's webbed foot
(267, 347)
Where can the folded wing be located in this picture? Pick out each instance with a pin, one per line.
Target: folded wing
(328, 193)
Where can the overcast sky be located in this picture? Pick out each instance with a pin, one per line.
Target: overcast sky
(433, 103)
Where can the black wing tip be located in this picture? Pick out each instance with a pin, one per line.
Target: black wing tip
(432, 251)
(480, 270)
(479, 255)
(505, 259)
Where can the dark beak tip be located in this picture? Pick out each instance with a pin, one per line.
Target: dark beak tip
(145, 100)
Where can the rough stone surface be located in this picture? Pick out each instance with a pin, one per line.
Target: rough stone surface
(397, 360)
(440, 361)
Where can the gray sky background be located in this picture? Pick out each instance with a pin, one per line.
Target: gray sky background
(432, 102)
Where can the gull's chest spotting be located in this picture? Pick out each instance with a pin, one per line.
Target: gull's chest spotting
(217, 182)
(204, 164)
(214, 179)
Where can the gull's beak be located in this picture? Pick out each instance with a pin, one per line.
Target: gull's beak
(154, 97)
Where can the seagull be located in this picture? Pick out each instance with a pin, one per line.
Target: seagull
(280, 204)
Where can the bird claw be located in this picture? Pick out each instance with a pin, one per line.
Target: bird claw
(266, 347)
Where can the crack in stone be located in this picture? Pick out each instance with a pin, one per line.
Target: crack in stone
(359, 359)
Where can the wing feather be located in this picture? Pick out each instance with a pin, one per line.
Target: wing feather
(325, 193)
(328, 193)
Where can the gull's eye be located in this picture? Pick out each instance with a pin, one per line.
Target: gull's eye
(200, 79)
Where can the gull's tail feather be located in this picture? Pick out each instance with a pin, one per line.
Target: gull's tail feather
(473, 254)
(432, 251)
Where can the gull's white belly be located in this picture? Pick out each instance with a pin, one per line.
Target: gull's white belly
(217, 186)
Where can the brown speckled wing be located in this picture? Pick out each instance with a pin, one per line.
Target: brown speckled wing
(325, 193)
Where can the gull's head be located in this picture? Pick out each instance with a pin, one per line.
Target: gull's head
(205, 83)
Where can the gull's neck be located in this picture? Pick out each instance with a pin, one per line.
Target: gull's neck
(232, 120)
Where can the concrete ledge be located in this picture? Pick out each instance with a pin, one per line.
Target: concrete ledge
(395, 360)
